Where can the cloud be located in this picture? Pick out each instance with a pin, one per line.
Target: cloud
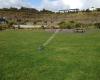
(51, 4)
(90, 3)
(65, 4)
(61, 4)
(14, 3)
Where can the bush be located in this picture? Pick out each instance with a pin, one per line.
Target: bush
(3, 27)
(97, 25)
(10, 24)
(0, 28)
(97, 9)
(62, 24)
(77, 25)
(43, 27)
(70, 25)
(66, 25)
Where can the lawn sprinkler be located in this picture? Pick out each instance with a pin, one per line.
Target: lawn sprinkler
(48, 41)
(41, 48)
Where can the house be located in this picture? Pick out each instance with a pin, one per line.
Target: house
(69, 10)
(73, 10)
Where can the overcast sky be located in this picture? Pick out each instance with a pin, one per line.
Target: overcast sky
(51, 4)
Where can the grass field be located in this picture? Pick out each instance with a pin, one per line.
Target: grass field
(69, 56)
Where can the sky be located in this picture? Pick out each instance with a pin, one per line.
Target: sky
(51, 4)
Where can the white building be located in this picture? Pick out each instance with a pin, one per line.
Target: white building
(92, 8)
(28, 26)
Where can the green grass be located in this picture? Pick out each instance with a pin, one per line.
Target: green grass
(69, 56)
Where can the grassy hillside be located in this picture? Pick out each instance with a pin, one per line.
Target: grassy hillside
(25, 16)
(69, 56)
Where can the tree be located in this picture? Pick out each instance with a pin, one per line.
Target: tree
(97, 9)
(88, 10)
(29, 9)
(13, 9)
(46, 11)
(5, 9)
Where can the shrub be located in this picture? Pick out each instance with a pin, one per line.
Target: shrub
(71, 21)
(0, 28)
(97, 9)
(77, 25)
(3, 27)
(66, 25)
(97, 25)
(43, 27)
(70, 25)
(62, 25)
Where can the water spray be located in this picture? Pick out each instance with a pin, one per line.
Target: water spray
(48, 41)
